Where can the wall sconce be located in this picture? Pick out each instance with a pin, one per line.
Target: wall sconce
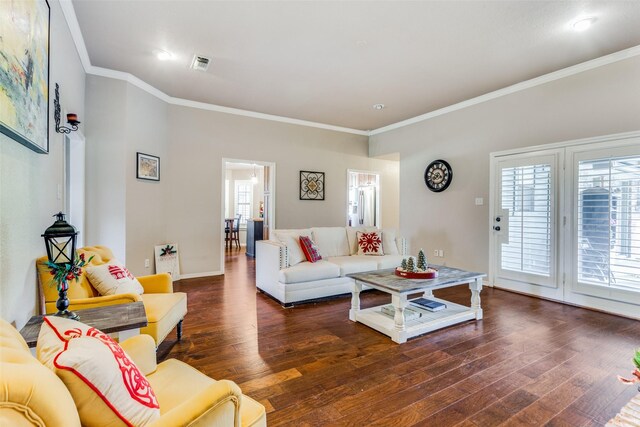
(72, 119)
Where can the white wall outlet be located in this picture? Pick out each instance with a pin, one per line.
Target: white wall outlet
(435, 252)
(147, 264)
(479, 201)
(440, 253)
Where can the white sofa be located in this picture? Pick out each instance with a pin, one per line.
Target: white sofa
(283, 273)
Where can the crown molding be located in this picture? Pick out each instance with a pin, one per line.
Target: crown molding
(72, 22)
(527, 84)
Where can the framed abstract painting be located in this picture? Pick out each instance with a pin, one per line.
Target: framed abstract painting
(24, 73)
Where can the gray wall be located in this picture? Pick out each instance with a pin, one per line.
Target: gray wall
(29, 183)
(124, 213)
(601, 101)
(185, 207)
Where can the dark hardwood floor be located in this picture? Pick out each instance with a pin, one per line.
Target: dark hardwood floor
(529, 362)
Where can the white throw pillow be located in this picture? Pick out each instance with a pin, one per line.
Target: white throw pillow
(113, 278)
(106, 385)
(369, 243)
(389, 244)
(353, 241)
(291, 238)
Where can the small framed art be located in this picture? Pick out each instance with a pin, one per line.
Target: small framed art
(311, 185)
(147, 167)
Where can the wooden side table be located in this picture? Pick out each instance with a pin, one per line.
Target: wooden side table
(125, 320)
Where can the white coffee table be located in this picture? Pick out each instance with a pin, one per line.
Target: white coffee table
(398, 327)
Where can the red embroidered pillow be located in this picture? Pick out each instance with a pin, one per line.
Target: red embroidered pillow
(106, 386)
(369, 243)
(310, 249)
(113, 278)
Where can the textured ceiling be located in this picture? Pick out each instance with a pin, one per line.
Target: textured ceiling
(330, 61)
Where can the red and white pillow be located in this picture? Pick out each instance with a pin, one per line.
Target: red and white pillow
(310, 249)
(369, 243)
(113, 278)
(106, 386)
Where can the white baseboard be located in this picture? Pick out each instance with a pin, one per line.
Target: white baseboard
(196, 275)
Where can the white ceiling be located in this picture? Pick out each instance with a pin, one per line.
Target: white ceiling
(330, 61)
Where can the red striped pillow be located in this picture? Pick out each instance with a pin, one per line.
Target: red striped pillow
(310, 249)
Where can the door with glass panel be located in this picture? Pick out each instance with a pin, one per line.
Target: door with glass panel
(604, 186)
(524, 224)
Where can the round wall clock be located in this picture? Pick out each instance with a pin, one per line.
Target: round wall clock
(438, 175)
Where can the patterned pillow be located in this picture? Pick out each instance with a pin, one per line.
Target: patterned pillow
(310, 249)
(369, 243)
(113, 278)
(106, 386)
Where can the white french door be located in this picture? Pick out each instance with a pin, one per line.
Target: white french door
(566, 223)
(604, 222)
(524, 229)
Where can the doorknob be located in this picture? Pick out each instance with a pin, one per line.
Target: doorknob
(497, 228)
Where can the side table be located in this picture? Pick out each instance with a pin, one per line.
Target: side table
(124, 320)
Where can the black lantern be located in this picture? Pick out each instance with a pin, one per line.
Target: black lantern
(60, 240)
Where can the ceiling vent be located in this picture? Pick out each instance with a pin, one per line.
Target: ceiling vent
(200, 63)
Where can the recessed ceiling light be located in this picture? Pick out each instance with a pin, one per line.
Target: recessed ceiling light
(378, 106)
(582, 24)
(163, 55)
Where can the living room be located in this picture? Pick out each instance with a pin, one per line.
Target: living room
(546, 88)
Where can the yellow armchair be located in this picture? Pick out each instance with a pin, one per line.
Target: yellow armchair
(32, 395)
(165, 309)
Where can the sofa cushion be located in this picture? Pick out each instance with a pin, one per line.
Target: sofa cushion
(113, 278)
(354, 264)
(281, 235)
(306, 272)
(369, 243)
(291, 238)
(352, 240)
(389, 244)
(388, 261)
(310, 249)
(164, 311)
(332, 241)
(105, 383)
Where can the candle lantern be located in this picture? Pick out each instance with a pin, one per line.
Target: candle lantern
(60, 241)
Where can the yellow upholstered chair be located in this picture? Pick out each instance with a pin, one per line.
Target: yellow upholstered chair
(32, 395)
(165, 309)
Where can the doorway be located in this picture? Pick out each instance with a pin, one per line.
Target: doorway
(74, 172)
(248, 198)
(363, 206)
(565, 222)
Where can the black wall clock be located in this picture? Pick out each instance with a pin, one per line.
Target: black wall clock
(438, 175)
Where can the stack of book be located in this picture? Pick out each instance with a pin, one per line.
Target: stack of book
(428, 304)
(409, 314)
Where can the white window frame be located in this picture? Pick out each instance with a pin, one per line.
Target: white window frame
(237, 184)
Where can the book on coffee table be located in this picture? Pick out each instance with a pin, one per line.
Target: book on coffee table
(409, 314)
(428, 304)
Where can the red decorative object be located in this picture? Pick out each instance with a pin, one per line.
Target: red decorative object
(119, 272)
(431, 273)
(370, 243)
(310, 249)
(136, 384)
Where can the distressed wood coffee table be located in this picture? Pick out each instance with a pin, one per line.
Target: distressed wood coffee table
(422, 320)
(123, 320)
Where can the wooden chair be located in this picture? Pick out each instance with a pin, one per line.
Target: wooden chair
(235, 233)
